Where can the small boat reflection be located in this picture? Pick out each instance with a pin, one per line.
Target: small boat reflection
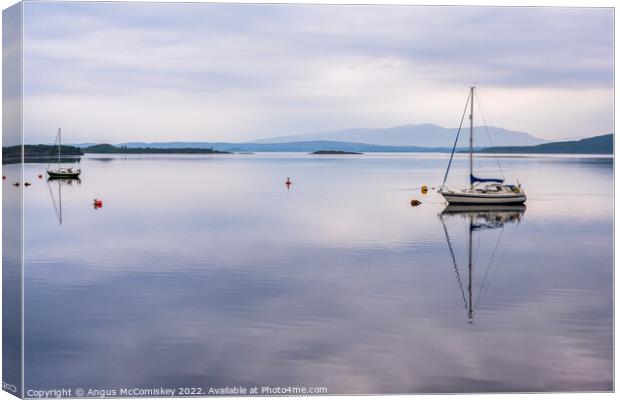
(478, 218)
(60, 182)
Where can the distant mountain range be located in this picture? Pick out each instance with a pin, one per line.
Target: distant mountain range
(421, 135)
(596, 145)
(603, 144)
(306, 146)
(405, 138)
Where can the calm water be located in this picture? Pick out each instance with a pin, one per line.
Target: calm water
(207, 271)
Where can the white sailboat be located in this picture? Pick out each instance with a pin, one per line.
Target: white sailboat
(62, 172)
(480, 190)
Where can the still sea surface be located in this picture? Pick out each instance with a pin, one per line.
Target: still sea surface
(205, 271)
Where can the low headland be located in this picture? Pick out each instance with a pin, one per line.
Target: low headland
(603, 144)
(39, 153)
(34, 153)
(112, 149)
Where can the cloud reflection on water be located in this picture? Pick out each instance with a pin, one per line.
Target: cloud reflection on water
(210, 272)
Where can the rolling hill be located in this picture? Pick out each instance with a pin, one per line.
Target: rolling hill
(304, 146)
(603, 144)
(422, 135)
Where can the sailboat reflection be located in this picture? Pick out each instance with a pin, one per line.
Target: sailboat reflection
(61, 182)
(478, 218)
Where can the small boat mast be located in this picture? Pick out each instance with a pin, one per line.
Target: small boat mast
(68, 173)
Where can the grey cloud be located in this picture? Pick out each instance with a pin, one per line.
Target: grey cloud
(508, 46)
(361, 60)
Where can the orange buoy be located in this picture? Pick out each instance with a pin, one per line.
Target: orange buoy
(424, 189)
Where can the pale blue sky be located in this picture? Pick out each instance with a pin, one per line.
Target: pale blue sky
(119, 72)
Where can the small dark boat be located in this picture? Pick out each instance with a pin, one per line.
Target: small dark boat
(62, 172)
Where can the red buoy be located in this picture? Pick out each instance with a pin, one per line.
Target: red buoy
(40, 176)
(97, 203)
(3, 176)
(288, 182)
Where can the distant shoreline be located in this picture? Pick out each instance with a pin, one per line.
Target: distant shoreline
(42, 153)
(30, 159)
(603, 144)
(599, 145)
(111, 149)
(334, 152)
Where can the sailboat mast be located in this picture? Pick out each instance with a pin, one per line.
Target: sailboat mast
(471, 139)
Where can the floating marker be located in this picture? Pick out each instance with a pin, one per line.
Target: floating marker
(288, 182)
(40, 176)
(16, 184)
(97, 203)
(3, 176)
(27, 183)
(424, 189)
(415, 203)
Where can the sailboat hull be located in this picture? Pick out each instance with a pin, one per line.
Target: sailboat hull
(65, 175)
(484, 198)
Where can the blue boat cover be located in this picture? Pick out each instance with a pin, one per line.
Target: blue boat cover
(474, 179)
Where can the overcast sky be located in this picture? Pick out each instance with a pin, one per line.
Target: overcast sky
(117, 72)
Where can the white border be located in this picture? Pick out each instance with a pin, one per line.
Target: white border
(506, 3)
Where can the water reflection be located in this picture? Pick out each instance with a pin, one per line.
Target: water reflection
(206, 271)
(478, 218)
(57, 198)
